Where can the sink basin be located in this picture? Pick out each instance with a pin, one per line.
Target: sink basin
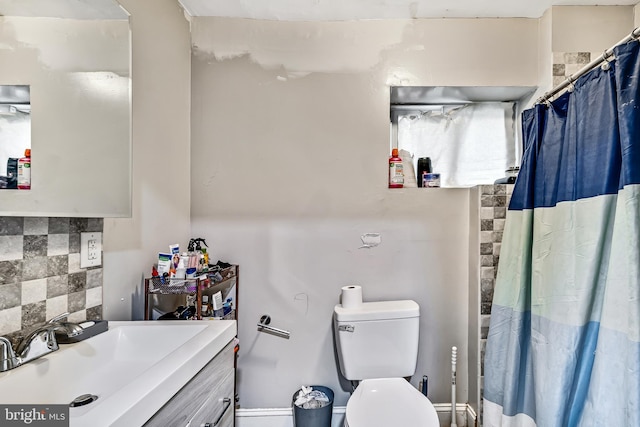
(134, 368)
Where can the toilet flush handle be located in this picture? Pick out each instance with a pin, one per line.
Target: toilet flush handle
(346, 328)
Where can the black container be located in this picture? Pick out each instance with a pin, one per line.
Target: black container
(424, 166)
(317, 417)
(12, 173)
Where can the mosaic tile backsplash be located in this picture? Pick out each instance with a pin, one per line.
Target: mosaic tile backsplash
(40, 274)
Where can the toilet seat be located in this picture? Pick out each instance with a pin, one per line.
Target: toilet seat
(389, 402)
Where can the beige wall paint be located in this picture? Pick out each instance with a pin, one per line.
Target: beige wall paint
(160, 117)
(545, 54)
(590, 28)
(290, 141)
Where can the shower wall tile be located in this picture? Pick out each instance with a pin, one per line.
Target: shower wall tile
(40, 274)
(494, 200)
(568, 63)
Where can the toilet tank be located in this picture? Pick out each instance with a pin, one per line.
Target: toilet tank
(377, 339)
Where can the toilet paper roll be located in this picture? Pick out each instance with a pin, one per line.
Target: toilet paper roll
(351, 296)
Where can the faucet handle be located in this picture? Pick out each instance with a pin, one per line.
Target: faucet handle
(70, 328)
(8, 358)
(58, 317)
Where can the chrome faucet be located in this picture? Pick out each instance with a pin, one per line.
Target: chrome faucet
(37, 343)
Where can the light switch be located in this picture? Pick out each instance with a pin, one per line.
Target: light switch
(90, 249)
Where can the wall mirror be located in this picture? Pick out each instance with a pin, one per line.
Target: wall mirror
(15, 131)
(74, 58)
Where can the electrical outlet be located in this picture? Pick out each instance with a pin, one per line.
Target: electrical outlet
(90, 249)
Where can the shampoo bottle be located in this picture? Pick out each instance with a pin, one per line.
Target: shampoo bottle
(24, 171)
(396, 175)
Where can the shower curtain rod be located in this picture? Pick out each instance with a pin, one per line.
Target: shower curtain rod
(599, 60)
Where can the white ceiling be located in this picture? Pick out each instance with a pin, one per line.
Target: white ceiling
(71, 9)
(340, 10)
(307, 10)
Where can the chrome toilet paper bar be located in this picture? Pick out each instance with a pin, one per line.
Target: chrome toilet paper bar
(263, 326)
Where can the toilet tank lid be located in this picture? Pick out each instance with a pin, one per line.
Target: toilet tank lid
(381, 310)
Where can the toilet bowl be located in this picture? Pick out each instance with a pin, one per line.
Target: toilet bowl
(389, 402)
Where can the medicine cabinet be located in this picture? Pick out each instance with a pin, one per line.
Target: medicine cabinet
(75, 60)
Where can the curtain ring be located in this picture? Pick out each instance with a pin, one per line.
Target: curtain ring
(571, 87)
(607, 64)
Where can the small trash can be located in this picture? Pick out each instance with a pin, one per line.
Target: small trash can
(313, 417)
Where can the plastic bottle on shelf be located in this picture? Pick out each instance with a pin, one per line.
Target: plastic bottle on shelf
(396, 175)
(205, 312)
(424, 166)
(24, 171)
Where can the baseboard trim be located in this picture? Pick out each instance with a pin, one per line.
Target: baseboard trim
(276, 412)
(283, 417)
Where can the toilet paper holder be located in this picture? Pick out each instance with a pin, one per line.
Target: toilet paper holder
(263, 326)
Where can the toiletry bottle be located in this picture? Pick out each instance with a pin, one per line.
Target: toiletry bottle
(396, 175)
(24, 171)
(204, 310)
(424, 166)
(206, 259)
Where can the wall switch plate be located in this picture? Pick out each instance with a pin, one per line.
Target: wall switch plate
(90, 249)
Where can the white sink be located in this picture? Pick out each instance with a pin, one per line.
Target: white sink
(134, 368)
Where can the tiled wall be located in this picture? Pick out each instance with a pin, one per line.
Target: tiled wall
(494, 200)
(568, 63)
(40, 274)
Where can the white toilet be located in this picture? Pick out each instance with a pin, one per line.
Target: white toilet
(377, 345)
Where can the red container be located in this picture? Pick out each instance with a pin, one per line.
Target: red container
(24, 171)
(396, 173)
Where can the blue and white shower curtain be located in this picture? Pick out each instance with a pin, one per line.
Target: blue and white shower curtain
(564, 340)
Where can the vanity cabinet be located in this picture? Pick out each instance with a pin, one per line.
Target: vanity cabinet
(206, 400)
